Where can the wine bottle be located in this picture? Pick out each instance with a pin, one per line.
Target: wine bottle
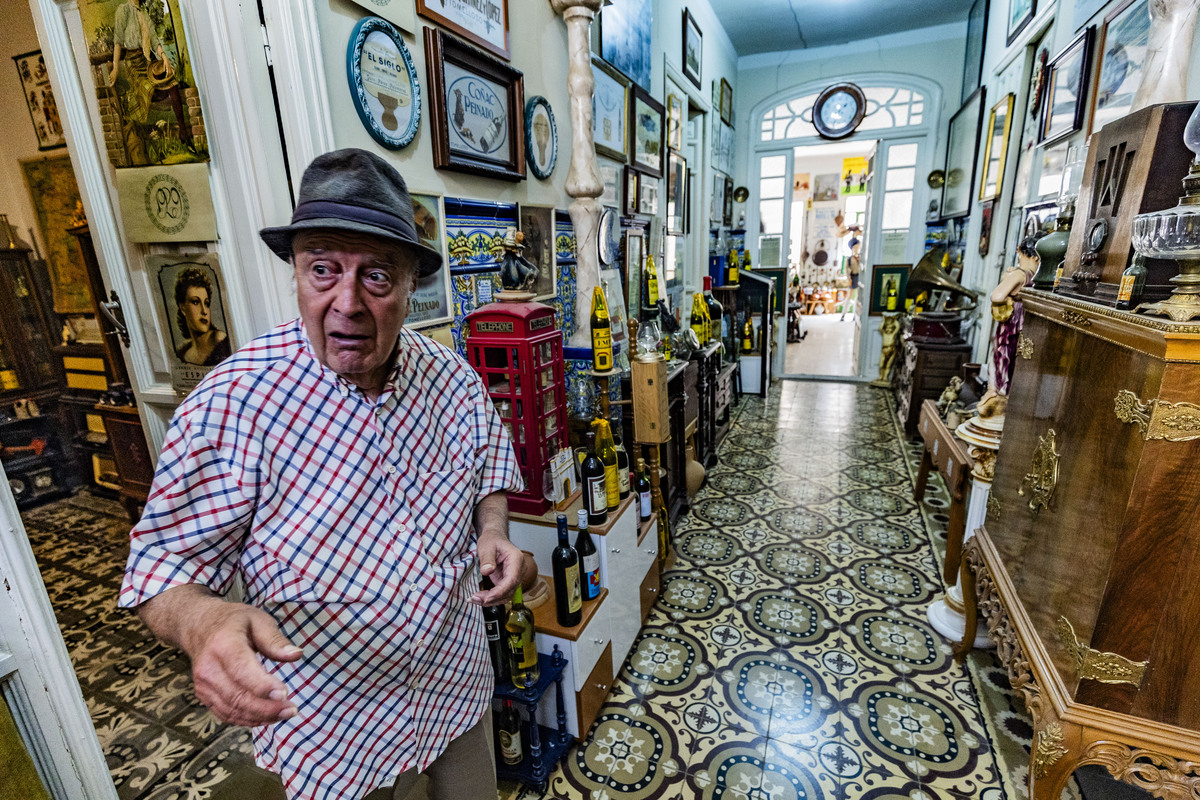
(522, 652)
(748, 336)
(589, 578)
(892, 296)
(731, 274)
(568, 597)
(622, 462)
(602, 352)
(645, 509)
(493, 623)
(607, 452)
(746, 265)
(508, 730)
(716, 311)
(652, 295)
(697, 319)
(1133, 283)
(595, 489)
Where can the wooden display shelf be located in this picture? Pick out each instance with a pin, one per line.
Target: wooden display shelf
(545, 618)
(550, 518)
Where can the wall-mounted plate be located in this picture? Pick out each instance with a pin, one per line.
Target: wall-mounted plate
(383, 83)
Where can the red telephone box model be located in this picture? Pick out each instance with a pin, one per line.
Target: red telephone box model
(517, 350)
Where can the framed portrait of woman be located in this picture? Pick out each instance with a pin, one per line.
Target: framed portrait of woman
(192, 304)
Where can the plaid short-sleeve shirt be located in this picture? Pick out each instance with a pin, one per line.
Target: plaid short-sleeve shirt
(350, 522)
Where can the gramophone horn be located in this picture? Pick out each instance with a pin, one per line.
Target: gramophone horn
(928, 276)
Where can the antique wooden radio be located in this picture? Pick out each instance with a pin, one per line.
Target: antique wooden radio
(517, 349)
(1134, 165)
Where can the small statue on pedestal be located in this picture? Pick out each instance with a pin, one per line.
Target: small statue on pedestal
(1009, 315)
(517, 273)
(889, 329)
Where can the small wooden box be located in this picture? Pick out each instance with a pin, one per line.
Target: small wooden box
(651, 422)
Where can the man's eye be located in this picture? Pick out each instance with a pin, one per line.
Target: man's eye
(378, 276)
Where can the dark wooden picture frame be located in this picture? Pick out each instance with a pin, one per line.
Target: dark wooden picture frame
(424, 8)
(977, 25)
(881, 276)
(692, 35)
(442, 49)
(1074, 58)
(632, 189)
(1016, 24)
(962, 151)
(727, 203)
(650, 115)
(726, 102)
(677, 201)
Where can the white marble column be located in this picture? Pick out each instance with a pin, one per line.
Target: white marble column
(583, 177)
(946, 615)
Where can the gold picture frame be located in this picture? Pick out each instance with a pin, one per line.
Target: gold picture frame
(995, 148)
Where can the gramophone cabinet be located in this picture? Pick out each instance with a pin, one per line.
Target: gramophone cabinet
(1088, 564)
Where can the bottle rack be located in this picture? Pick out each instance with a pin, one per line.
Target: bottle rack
(546, 746)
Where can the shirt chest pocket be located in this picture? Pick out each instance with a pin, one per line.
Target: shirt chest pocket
(442, 504)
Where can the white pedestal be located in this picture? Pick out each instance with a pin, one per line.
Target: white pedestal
(946, 614)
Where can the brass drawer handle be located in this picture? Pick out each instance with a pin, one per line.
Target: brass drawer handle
(1173, 422)
(1096, 666)
(1042, 477)
(1024, 346)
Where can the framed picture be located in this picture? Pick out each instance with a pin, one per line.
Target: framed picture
(716, 208)
(646, 127)
(537, 224)
(674, 122)
(541, 137)
(647, 196)
(430, 303)
(476, 104)
(693, 48)
(43, 111)
(632, 182)
(995, 147)
(977, 19)
(1122, 56)
(726, 102)
(727, 208)
(1020, 14)
(634, 255)
(610, 111)
(189, 286)
(985, 227)
(610, 175)
(625, 38)
(962, 145)
(1066, 87)
(397, 12)
(383, 82)
(676, 194)
(888, 282)
(484, 22)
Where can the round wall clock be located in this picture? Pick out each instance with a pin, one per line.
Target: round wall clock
(383, 83)
(541, 137)
(838, 110)
(609, 237)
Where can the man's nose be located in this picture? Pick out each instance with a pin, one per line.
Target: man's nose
(349, 300)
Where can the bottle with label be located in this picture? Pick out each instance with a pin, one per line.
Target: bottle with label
(607, 452)
(697, 319)
(522, 652)
(652, 296)
(595, 488)
(1133, 283)
(568, 596)
(589, 577)
(748, 336)
(716, 311)
(645, 509)
(893, 296)
(623, 484)
(508, 733)
(731, 273)
(493, 626)
(602, 352)
(746, 265)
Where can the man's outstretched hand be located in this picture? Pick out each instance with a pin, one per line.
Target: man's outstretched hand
(224, 641)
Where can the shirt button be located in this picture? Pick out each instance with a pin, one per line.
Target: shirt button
(416, 684)
(391, 469)
(379, 411)
(409, 588)
(421, 643)
(401, 528)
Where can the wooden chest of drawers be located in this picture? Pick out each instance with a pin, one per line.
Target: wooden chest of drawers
(1089, 562)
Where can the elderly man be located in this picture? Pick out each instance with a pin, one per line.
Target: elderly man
(351, 473)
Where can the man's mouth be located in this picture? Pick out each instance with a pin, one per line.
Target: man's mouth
(348, 339)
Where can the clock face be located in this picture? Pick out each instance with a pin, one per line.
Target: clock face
(838, 110)
(1096, 235)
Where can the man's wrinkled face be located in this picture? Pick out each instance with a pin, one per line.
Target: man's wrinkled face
(353, 290)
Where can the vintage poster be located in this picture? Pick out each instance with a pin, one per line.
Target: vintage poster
(825, 187)
(55, 198)
(167, 204)
(43, 111)
(478, 112)
(149, 104)
(430, 304)
(854, 175)
(484, 22)
(191, 300)
(398, 12)
(537, 225)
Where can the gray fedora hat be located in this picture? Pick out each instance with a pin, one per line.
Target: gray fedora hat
(354, 190)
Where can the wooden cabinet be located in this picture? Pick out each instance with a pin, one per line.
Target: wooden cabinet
(708, 364)
(682, 408)
(1089, 561)
(922, 374)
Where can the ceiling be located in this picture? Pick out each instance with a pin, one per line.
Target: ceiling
(766, 26)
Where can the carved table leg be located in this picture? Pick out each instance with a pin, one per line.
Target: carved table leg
(1054, 759)
(922, 475)
(955, 530)
(970, 608)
